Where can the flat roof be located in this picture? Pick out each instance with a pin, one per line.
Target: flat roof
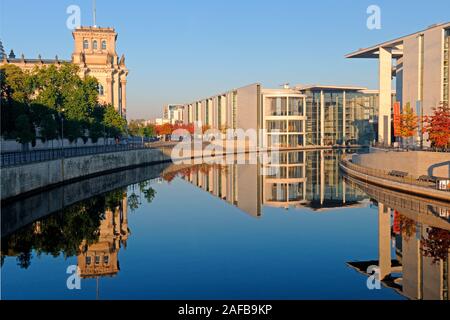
(332, 87)
(372, 52)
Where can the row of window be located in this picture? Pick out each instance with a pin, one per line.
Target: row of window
(94, 44)
(97, 260)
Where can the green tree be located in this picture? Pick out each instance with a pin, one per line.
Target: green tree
(114, 123)
(16, 93)
(24, 129)
(48, 127)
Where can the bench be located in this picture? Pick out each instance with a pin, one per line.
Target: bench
(427, 179)
(398, 174)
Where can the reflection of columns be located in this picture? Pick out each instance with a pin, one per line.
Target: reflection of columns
(322, 118)
(384, 240)
(124, 98)
(385, 96)
(344, 191)
(322, 178)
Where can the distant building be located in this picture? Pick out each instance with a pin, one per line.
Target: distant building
(173, 113)
(161, 121)
(95, 54)
(421, 70)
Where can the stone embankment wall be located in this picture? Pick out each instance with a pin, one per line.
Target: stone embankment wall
(23, 179)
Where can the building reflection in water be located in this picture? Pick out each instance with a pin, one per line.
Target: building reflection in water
(413, 244)
(100, 259)
(297, 179)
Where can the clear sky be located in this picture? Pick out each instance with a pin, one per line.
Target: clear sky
(180, 51)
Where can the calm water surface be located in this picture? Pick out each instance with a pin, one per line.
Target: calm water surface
(297, 231)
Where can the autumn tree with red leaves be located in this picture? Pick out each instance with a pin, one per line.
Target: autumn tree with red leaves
(438, 126)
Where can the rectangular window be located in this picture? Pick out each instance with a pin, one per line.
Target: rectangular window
(234, 110)
(278, 106)
(106, 259)
(296, 126)
(296, 106)
(274, 126)
(97, 259)
(295, 192)
(295, 172)
(276, 172)
(277, 141)
(295, 140)
(296, 157)
(88, 260)
(279, 192)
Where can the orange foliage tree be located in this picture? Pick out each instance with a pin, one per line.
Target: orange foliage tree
(438, 126)
(164, 129)
(407, 125)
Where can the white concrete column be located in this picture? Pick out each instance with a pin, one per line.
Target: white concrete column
(384, 240)
(344, 119)
(385, 96)
(322, 118)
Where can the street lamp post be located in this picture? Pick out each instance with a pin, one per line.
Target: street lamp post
(61, 114)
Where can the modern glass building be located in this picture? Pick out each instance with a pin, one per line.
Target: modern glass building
(314, 115)
(338, 115)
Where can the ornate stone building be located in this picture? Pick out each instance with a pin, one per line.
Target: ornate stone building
(95, 54)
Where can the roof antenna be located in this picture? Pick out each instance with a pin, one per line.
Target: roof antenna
(94, 11)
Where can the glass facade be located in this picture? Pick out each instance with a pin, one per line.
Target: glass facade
(446, 73)
(285, 122)
(349, 116)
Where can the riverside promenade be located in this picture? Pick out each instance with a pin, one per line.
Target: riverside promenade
(420, 173)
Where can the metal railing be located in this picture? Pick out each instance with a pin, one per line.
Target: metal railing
(410, 179)
(9, 159)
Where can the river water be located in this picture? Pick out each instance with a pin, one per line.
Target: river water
(297, 231)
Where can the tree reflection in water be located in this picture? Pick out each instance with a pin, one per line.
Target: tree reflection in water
(67, 232)
(436, 245)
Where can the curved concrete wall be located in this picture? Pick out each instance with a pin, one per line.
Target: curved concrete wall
(416, 163)
(32, 177)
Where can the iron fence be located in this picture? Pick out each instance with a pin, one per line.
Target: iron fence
(9, 159)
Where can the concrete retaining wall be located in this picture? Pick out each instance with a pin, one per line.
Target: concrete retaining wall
(416, 163)
(32, 177)
(17, 214)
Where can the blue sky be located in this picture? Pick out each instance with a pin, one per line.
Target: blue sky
(179, 51)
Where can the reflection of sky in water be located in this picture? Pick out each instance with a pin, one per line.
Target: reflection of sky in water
(190, 244)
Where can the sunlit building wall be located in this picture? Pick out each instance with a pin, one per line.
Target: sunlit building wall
(419, 62)
(280, 112)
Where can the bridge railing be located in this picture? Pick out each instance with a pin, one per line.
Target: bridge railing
(409, 179)
(9, 159)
